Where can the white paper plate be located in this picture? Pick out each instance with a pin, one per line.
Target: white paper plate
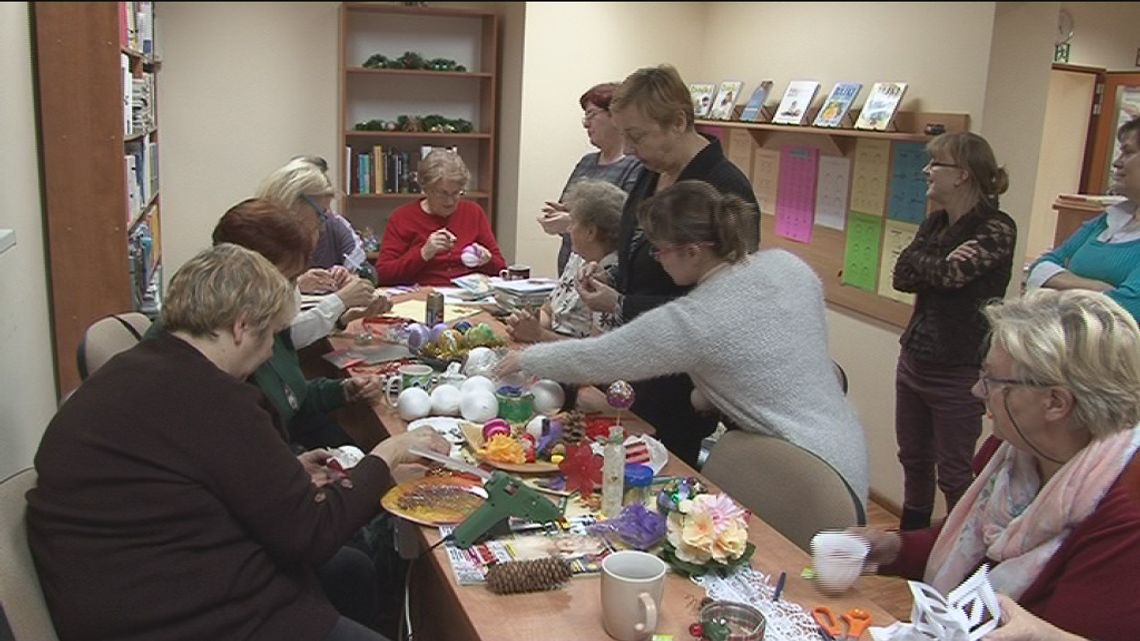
(448, 426)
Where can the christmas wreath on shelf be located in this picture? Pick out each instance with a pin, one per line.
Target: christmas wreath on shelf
(433, 123)
(412, 60)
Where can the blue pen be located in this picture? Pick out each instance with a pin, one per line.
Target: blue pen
(780, 586)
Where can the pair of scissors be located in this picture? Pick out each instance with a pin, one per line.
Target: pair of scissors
(855, 620)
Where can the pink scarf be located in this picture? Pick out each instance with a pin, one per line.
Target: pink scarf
(1008, 517)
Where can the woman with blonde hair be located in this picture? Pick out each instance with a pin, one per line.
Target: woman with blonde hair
(423, 242)
(1055, 510)
(961, 257)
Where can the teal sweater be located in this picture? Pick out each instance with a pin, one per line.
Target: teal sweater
(1117, 264)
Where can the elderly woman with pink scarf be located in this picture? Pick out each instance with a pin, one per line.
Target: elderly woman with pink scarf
(1055, 511)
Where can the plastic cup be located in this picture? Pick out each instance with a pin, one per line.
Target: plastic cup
(838, 559)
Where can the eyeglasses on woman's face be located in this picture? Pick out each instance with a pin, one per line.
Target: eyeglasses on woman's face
(445, 195)
(322, 213)
(592, 113)
(989, 383)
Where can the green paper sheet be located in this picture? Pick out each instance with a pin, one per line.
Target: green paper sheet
(861, 255)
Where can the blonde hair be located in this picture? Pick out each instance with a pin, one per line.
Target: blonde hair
(287, 184)
(597, 204)
(221, 285)
(972, 153)
(1078, 339)
(693, 211)
(443, 165)
(659, 93)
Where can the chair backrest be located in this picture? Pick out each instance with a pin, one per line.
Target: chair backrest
(790, 488)
(841, 375)
(109, 336)
(20, 592)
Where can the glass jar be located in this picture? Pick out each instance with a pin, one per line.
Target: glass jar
(638, 478)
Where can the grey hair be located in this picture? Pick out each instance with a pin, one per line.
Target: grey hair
(597, 204)
(443, 165)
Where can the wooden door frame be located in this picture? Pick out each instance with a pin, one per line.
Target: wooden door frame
(1094, 173)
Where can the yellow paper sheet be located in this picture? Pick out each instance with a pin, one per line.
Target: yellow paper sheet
(869, 176)
(417, 311)
(896, 237)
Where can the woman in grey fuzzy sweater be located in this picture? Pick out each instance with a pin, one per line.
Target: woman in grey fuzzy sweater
(752, 334)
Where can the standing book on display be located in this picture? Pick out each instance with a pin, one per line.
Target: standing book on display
(834, 111)
(702, 93)
(726, 97)
(794, 105)
(882, 104)
(754, 109)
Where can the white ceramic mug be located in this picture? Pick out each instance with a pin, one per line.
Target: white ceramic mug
(632, 584)
(411, 375)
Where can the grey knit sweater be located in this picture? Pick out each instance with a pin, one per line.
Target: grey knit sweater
(753, 337)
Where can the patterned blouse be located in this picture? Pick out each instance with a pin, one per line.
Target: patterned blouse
(568, 314)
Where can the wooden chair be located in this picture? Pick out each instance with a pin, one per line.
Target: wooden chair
(20, 592)
(791, 489)
(109, 336)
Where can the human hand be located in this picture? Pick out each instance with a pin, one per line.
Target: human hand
(965, 251)
(598, 295)
(524, 327)
(440, 240)
(885, 546)
(1017, 624)
(316, 281)
(362, 388)
(509, 364)
(394, 449)
(341, 276)
(315, 463)
(555, 218)
(483, 253)
(357, 293)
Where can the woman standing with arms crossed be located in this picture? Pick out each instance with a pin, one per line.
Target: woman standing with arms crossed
(961, 257)
(653, 109)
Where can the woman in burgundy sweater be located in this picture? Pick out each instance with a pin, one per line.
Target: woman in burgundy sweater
(424, 240)
(1055, 511)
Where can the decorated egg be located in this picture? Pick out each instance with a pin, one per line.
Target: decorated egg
(449, 341)
(620, 395)
(418, 336)
(462, 326)
(481, 361)
(548, 396)
(478, 406)
(494, 427)
(480, 335)
(413, 403)
(477, 383)
(445, 400)
(470, 256)
(534, 427)
(436, 330)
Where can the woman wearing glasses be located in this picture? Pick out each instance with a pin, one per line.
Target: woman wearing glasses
(1055, 510)
(610, 163)
(423, 242)
(960, 257)
(760, 358)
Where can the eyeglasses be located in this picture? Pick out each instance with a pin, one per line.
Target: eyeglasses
(934, 163)
(987, 381)
(322, 215)
(447, 195)
(591, 114)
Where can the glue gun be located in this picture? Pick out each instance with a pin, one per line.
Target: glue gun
(506, 496)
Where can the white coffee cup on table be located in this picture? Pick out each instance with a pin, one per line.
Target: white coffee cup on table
(838, 558)
(632, 585)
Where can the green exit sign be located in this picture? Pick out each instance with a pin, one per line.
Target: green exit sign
(1061, 52)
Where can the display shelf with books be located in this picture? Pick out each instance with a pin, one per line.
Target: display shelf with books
(96, 68)
(441, 93)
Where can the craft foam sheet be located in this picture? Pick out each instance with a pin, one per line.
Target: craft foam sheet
(765, 178)
(861, 255)
(832, 184)
(795, 198)
(740, 149)
(869, 176)
(907, 201)
(896, 237)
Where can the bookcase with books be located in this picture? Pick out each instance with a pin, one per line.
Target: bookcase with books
(96, 68)
(414, 79)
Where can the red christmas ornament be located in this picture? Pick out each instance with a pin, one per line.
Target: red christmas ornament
(696, 630)
(582, 469)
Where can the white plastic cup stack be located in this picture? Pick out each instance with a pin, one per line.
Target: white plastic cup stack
(838, 560)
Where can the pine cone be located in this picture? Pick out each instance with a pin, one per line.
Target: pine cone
(527, 576)
(573, 427)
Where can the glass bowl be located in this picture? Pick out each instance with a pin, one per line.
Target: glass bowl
(745, 623)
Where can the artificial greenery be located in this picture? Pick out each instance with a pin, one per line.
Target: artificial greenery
(412, 60)
(433, 123)
(669, 554)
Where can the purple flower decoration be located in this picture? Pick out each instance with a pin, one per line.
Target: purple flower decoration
(636, 526)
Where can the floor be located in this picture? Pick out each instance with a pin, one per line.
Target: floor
(890, 593)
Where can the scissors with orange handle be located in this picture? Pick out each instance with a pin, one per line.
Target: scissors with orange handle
(855, 621)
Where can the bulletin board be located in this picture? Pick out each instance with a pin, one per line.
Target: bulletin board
(845, 201)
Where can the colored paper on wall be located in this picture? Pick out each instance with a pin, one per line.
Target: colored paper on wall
(897, 236)
(795, 199)
(715, 132)
(832, 184)
(907, 201)
(740, 149)
(765, 177)
(861, 254)
(869, 176)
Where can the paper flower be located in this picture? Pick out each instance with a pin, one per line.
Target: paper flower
(707, 532)
(582, 469)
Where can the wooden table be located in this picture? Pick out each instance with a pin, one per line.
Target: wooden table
(444, 610)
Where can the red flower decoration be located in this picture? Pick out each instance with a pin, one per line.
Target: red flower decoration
(582, 469)
(598, 427)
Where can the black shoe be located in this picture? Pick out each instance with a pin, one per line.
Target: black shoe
(914, 519)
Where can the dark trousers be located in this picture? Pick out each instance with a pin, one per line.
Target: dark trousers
(937, 424)
(349, 630)
(664, 403)
(349, 582)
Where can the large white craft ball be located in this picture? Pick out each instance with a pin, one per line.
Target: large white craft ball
(413, 403)
(445, 400)
(481, 361)
(470, 256)
(479, 406)
(534, 427)
(477, 383)
(548, 396)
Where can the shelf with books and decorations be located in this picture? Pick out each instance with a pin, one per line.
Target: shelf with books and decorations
(99, 157)
(910, 126)
(414, 79)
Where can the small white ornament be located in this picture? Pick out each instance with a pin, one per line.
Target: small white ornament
(534, 427)
(413, 403)
(548, 396)
(445, 400)
(479, 406)
(477, 383)
(481, 361)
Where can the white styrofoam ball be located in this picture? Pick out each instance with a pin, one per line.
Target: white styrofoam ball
(470, 256)
(478, 406)
(481, 361)
(548, 396)
(445, 400)
(534, 427)
(413, 403)
(477, 383)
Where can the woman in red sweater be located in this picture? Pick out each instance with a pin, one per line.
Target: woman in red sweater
(423, 242)
(1055, 511)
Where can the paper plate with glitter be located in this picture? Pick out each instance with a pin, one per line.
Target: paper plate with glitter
(435, 500)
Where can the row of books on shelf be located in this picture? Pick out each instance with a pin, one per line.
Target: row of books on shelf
(714, 102)
(136, 26)
(141, 169)
(385, 170)
(138, 99)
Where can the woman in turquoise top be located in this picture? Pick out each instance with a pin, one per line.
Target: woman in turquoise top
(1104, 254)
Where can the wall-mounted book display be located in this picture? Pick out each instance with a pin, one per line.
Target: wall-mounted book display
(754, 109)
(878, 113)
(725, 102)
(702, 94)
(836, 109)
(793, 109)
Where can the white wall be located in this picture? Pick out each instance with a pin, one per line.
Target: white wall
(27, 378)
(1105, 34)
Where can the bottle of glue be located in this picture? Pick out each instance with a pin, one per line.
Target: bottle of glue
(613, 472)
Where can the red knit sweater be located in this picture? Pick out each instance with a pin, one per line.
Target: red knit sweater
(1091, 582)
(400, 262)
